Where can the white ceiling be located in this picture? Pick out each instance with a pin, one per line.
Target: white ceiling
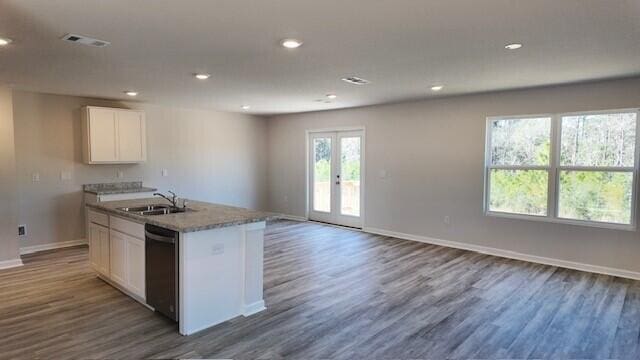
(402, 46)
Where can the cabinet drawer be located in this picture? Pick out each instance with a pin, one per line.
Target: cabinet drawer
(98, 218)
(127, 227)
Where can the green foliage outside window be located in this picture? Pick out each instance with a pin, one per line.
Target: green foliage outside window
(591, 141)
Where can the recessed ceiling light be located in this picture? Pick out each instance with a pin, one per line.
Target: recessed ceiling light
(246, 107)
(131, 93)
(332, 96)
(291, 43)
(5, 41)
(202, 76)
(437, 87)
(513, 46)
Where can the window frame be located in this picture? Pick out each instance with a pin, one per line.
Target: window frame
(554, 168)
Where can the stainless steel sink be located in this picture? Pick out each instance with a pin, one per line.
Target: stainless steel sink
(155, 209)
(144, 208)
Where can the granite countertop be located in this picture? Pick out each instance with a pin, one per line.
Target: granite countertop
(204, 216)
(117, 188)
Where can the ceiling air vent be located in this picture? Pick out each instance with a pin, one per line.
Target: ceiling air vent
(85, 40)
(356, 80)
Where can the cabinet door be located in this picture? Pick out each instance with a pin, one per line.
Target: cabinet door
(104, 263)
(118, 259)
(135, 266)
(94, 246)
(103, 135)
(131, 136)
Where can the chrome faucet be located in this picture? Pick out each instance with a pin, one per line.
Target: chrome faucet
(173, 199)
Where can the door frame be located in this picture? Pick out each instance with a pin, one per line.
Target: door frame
(363, 172)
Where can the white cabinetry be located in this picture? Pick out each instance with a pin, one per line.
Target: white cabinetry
(113, 136)
(127, 258)
(135, 270)
(117, 252)
(99, 252)
(118, 258)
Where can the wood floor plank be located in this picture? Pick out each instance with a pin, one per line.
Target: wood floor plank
(333, 293)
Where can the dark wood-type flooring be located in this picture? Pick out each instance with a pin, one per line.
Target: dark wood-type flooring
(338, 294)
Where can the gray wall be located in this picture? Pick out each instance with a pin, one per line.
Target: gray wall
(8, 194)
(433, 153)
(212, 156)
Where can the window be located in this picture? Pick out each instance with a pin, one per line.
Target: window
(577, 168)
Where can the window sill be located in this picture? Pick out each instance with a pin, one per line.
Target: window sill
(601, 225)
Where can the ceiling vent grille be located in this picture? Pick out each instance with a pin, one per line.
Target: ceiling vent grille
(85, 40)
(356, 80)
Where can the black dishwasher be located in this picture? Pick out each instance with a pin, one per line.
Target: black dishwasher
(161, 267)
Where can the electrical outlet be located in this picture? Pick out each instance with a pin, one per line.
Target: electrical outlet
(35, 177)
(447, 220)
(217, 249)
(120, 174)
(22, 230)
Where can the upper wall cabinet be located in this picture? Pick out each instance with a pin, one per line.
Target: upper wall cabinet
(113, 136)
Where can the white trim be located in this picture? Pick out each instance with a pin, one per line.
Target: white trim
(336, 129)
(599, 112)
(555, 168)
(292, 217)
(8, 264)
(254, 308)
(335, 216)
(509, 254)
(560, 220)
(58, 245)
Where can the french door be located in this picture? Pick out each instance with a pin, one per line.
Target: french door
(336, 164)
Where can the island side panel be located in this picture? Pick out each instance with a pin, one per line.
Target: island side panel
(211, 277)
(254, 265)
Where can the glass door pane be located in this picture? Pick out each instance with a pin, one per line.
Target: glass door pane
(322, 174)
(350, 176)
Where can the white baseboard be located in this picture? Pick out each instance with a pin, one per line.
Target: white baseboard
(7, 264)
(509, 254)
(254, 308)
(51, 246)
(291, 217)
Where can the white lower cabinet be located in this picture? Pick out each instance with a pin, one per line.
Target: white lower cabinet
(118, 258)
(128, 262)
(134, 248)
(99, 252)
(117, 251)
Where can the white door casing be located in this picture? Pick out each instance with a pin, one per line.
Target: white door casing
(336, 177)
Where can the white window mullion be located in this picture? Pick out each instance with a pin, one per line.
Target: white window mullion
(636, 167)
(518, 167)
(596, 168)
(554, 160)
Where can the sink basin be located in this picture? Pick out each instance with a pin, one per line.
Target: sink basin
(155, 209)
(144, 208)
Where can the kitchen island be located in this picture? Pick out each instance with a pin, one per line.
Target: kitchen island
(218, 253)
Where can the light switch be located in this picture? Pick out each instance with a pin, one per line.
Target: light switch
(165, 172)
